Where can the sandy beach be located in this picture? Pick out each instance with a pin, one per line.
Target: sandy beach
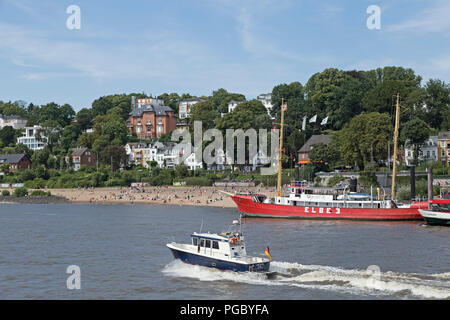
(195, 196)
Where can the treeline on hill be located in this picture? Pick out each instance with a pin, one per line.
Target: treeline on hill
(359, 106)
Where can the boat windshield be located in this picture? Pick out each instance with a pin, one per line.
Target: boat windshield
(445, 207)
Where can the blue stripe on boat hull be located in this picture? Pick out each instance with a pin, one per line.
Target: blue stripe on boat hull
(218, 264)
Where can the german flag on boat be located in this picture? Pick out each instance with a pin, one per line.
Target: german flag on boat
(268, 253)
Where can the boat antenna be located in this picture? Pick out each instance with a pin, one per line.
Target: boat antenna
(201, 227)
(280, 150)
(394, 164)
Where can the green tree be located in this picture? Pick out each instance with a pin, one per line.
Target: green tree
(69, 137)
(116, 131)
(87, 140)
(20, 192)
(321, 89)
(365, 139)
(181, 171)
(13, 109)
(19, 148)
(50, 133)
(63, 115)
(40, 157)
(414, 133)
(437, 102)
(222, 97)
(204, 112)
(7, 135)
(294, 142)
(171, 100)
(297, 106)
(84, 119)
(115, 156)
(323, 156)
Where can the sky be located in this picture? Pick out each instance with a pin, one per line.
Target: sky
(197, 46)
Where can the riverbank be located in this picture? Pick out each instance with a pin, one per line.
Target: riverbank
(187, 196)
(53, 199)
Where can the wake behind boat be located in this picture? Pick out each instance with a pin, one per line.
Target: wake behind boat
(224, 251)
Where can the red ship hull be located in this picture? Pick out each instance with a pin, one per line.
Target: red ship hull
(253, 209)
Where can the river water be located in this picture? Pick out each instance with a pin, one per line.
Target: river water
(121, 254)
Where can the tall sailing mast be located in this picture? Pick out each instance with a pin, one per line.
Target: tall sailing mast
(394, 158)
(280, 150)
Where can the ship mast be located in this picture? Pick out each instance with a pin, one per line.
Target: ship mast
(280, 150)
(394, 164)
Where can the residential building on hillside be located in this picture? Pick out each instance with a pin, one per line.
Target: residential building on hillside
(150, 118)
(183, 125)
(258, 160)
(221, 161)
(192, 162)
(82, 157)
(176, 154)
(182, 154)
(145, 152)
(185, 107)
(138, 152)
(427, 153)
(266, 100)
(444, 147)
(232, 105)
(167, 155)
(303, 153)
(16, 122)
(16, 161)
(30, 139)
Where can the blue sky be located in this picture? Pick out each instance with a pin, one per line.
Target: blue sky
(198, 46)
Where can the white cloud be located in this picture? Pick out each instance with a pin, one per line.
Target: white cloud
(159, 58)
(155, 60)
(435, 19)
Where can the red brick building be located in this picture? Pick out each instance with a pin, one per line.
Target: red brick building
(82, 157)
(150, 118)
(16, 161)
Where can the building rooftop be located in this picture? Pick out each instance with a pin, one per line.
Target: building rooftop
(11, 158)
(159, 110)
(192, 100)
(2, 116)
(315, 139)
(444, 135)
(77, 152)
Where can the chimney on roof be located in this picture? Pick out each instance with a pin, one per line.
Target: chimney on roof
(133, 102)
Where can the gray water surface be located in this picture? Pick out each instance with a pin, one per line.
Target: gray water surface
(121, 252)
